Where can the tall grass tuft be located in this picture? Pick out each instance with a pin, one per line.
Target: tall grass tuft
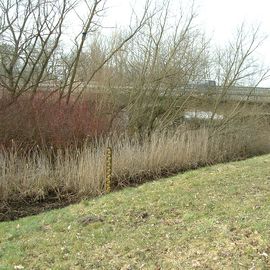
(81, 172)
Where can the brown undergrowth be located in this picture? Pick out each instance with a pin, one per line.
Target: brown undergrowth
(33, 183)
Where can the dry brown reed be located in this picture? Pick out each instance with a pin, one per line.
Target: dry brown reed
(81, 172)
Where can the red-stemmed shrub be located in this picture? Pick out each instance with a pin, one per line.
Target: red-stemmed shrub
(49, 122)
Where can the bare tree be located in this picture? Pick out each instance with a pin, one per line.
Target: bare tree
(236, 65)
(154, 70)
(30, 35)
(31, 47)
(150, 66)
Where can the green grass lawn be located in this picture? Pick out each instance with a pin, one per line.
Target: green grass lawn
(212, 218)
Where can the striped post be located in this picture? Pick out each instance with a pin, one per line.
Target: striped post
(108, 169)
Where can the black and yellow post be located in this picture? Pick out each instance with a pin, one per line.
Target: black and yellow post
(108, 169)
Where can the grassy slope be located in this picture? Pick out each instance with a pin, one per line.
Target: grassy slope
(212, 218)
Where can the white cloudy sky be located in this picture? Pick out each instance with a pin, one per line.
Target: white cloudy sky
(218, 18)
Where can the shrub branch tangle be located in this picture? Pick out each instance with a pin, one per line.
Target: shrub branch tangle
(31, 45)
(155, 75)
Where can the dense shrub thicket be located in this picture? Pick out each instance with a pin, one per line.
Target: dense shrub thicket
(47, 122)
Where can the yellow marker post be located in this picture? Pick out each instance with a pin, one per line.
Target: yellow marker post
(108, 169)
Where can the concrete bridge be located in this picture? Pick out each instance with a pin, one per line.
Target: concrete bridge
(255, 94)
(210, 90)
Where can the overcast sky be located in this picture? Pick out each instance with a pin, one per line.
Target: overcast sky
(218, 18)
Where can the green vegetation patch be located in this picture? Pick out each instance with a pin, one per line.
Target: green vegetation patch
(212, 218)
